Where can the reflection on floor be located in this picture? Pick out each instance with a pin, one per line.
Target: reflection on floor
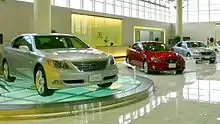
(190, 98)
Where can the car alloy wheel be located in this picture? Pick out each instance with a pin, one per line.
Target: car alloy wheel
(211, 61)
(41, 83)
(188, 55)
(6, 71)
(146, 69)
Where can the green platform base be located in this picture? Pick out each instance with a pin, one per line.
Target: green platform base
(19, 99)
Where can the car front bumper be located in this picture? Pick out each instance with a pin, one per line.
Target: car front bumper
(67, 78)
(164, 66)
(204, 57)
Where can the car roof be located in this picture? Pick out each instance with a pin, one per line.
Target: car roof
(191, 41)
(46, 34)
(148, 42)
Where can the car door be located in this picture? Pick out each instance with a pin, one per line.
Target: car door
(11, 55)
(140, 56)
(177, 48)
(133, 54)
(26, 58)
(184, 49)
(137, 54)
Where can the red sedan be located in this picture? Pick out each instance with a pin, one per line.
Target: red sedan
(154, 57)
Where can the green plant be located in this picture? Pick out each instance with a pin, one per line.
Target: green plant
(177, 38)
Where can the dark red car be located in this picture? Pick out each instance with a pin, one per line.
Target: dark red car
(154, 57)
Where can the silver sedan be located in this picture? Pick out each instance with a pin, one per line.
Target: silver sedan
(196, 49)
(55, 61)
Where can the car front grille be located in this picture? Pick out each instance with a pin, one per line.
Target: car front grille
(206, 53)
(91, 66)
(171, 60)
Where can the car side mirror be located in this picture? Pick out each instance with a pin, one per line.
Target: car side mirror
(24, 48)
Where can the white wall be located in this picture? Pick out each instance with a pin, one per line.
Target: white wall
(199, 31)
(17, 17)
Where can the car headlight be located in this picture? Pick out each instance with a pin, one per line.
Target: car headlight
(111, 60)
(58, 64)
(213, 53)
(155, 59)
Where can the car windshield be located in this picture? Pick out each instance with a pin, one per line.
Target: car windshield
(54, 42)
(195, 44)
(154, 47)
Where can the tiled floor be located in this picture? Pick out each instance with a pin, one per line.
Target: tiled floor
(190, 98)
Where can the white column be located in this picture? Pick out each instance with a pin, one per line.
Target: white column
(179, 19)
(42, 16)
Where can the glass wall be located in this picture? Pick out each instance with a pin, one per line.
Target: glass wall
(97, 31)
(198, 11)
(144, 9)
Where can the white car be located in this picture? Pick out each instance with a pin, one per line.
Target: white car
(214, 46)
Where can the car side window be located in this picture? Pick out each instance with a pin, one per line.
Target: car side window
(28, 42)
(179, 44)
(20, 41)
(16, 43)
(135, 46)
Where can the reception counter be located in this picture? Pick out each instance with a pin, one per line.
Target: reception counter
(116, 51)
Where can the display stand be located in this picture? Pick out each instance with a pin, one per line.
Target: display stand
(20, 100)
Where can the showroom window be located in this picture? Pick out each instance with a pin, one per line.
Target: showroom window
(141, 12)
(31, 1)
(134, 10)
(118, 7)
(62, 3)
(147, 10)
(127, 7)
(185, 14)
(215, 16)
(110, 1)
(203, 16)
(110, 8)
(76, 4)
(130, 8)
(99, 6)
(88, 5)
(193, 16)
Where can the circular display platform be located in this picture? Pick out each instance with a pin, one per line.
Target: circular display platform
(20, 100)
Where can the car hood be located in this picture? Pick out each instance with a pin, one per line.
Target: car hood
(163, 54)
(200, 49)
(72, 54)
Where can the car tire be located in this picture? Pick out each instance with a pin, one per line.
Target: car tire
(211, 61)
(188, 55)
(6, 73)
(127, 60)
(105, 85)
(41, 82)
(179, 71)
(145, 67)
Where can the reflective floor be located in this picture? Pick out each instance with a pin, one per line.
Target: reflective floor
(190, 98)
